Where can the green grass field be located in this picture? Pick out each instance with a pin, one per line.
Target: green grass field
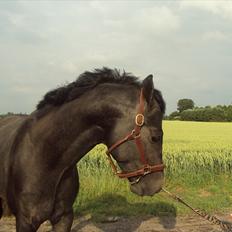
(198, 157)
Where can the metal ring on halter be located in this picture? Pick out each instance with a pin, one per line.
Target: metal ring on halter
(137, 121)
(134, 135)
(147, 170)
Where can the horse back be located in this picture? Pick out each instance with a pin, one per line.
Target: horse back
(9, 128)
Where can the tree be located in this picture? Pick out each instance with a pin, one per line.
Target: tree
(185, 104)
(174, 116)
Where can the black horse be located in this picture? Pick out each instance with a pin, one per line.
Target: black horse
(39, 152)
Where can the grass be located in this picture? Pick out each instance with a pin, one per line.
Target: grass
(199, 166)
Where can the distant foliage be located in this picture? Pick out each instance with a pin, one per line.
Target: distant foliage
(174, 116)
(185, 104)
(218, 113)
(208, 114)
(12, 114)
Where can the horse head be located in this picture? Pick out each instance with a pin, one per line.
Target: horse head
(139, 150)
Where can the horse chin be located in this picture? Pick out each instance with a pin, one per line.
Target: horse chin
(148, 185)
(142, 192)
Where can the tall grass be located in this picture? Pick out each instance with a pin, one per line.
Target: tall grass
(195, 148)
(197, 155)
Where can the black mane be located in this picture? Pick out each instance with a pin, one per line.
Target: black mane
(88, 80)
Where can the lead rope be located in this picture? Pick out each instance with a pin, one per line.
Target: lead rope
(225, 225)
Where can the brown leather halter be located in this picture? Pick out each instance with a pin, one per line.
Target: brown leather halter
(135, 134)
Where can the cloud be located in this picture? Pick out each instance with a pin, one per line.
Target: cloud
(215, 36)
(217, 7)
(186, 45)
(157, 20)
(22, 89)
(69, 66)
(161, 20)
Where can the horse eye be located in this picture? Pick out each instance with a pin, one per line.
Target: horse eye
(156, 138)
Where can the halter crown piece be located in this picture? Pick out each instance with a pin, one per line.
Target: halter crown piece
(135, 135)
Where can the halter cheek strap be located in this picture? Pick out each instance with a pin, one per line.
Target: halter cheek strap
(135, 135)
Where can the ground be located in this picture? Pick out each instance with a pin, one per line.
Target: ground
(138, 224)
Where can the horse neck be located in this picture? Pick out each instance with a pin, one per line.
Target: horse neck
(77, 126)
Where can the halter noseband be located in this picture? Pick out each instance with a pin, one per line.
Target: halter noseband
(135, 134)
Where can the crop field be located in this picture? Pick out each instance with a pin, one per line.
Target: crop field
(198, 157)
(197, 147)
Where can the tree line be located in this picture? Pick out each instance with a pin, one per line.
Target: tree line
(12, 114)
(187, 111)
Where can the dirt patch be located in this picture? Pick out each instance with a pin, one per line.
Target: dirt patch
(137, 224)
(204, 193)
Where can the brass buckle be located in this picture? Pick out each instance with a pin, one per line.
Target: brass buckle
(139, 119)
(146, 170)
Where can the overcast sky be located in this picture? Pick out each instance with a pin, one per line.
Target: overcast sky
(186, 45)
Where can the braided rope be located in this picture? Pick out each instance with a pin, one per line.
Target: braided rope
(225, 225)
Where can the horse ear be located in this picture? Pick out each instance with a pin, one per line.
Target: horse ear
(148, 88)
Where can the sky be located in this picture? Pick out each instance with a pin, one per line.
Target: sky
(186, 45)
